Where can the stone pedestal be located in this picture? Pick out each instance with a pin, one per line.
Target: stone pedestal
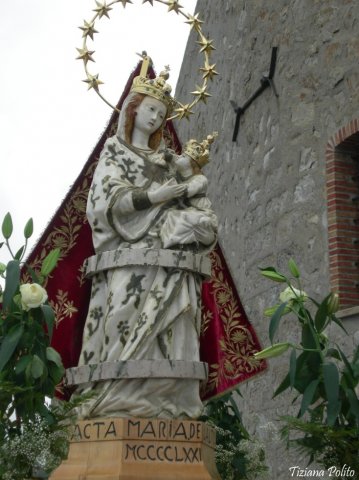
(135, 449)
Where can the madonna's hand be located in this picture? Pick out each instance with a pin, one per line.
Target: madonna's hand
(166, 192)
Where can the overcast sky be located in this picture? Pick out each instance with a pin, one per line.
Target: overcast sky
(49, 122)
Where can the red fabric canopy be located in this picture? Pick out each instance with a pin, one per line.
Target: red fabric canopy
(228, 340)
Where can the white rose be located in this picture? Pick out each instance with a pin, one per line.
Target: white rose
(291, 293)
(32, 295)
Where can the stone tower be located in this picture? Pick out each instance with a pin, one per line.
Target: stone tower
(289, 185)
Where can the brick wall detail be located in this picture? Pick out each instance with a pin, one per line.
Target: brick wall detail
(342, 181)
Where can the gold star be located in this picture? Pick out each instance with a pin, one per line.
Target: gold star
(124, 2)
(93, 81)
(102, 9)
(194, 21)
(201, 93)
(88, 29)
(209, 70)
(150, 1)
(85, 55)
(207, 44)
(174, 5)
(184, 111)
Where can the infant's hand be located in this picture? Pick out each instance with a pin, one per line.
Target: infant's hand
(205, 222)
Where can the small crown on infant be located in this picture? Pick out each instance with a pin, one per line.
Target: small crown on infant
(199, 152)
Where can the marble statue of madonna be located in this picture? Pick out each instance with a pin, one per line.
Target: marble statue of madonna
(139, 309)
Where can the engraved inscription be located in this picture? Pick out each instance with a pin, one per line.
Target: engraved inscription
(94, 431)
(162, 453)
(164, 430)
(144, 431)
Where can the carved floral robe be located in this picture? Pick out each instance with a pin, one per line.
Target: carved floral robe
(139, 312)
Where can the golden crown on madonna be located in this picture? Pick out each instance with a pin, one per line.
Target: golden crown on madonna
(154, 87)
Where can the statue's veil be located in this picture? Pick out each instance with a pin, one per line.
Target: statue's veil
(122, 118)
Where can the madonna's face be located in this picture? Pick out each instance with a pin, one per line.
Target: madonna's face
(150, 115)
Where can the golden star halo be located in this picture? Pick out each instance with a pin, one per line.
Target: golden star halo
(209, 71)
(201, 93)
(93, 81)
(85, 55)
(184, 111)
(103, 9)
(194, 21)
(174, 5)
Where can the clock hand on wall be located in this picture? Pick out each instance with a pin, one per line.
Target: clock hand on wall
(266, 81)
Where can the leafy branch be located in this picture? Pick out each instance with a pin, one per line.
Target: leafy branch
(322, 375)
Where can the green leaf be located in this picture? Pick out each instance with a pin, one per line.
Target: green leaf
(274, 322)
(37, 367)
(283, 386)
(7, 227)
(34, 277)
(9, 344)
(354, 403)
(272, 274)
(48, 386)
(349, 369)
(331, 385)
(53, 356)
(12, 282)
(19, 253)
(293, 268)
(49, 316)
(339, 323)
(56, 373)
(308, 396)
(22, 363)
(50, 262)
(235, 408)
(307, 370)
(292, 367)
(321, 315)
(308, 337)
(29, 228)
(333, 352)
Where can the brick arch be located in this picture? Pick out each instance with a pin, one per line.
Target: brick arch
(342, 182)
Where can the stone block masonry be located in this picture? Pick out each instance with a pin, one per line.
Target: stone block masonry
(269, 189)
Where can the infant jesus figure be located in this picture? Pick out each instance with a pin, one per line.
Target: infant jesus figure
(193, 221)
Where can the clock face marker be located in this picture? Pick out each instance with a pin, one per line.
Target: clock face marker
(266, 81)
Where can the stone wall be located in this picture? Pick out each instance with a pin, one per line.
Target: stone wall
(269, 187)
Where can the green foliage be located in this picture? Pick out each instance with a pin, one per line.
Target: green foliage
(321, 374)
(237, 455)
(40, 445)
(50, 262)
(30, 369)
(326, 445)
